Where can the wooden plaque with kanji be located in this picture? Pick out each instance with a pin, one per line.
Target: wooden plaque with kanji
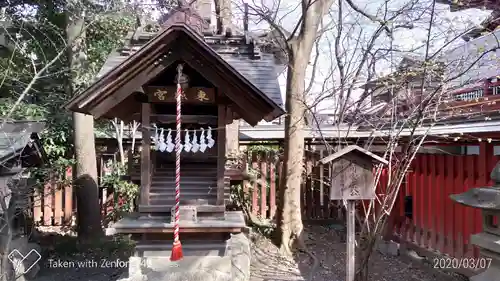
(352, 173)
(351, 181)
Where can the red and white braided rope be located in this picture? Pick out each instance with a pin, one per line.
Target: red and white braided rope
(177, 162)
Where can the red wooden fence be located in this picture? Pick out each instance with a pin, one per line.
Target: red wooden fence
(437, 223)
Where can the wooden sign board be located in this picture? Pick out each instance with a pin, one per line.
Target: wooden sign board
(351, 181)
(190, 95)
(352, 174)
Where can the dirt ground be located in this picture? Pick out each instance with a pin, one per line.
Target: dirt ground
(267, 263)
(324, 243)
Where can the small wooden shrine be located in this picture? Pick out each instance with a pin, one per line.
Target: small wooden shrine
(224, 78)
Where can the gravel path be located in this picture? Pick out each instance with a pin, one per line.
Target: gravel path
(268, 265)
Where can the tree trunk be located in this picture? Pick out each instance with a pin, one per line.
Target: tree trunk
(289, 217)
(87, 190)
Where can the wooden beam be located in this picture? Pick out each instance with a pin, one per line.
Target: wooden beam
(136, 81)
(220, 82)
(123, 77)
(258, 100)
(221, 153)
(145, 154)
(117, 73)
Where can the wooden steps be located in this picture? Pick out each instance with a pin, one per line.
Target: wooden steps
(233, 222)
(161, 209)
(189, 248)
(198, 181)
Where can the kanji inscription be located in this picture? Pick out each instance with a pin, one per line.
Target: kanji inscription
(202, 96)
(351, 181)
(189, 95)
(161, 94)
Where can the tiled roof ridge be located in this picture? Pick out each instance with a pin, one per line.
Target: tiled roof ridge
(249, 44)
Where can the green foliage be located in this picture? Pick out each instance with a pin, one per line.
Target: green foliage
(25, 111)
(125, 192)
(42, 34)
(263, 147)
(71, 248)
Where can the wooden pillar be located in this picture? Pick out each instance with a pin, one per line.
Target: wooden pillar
(221, 153)
(232, 133)
(145, 153)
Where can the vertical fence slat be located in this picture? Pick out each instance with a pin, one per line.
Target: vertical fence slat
(414, 193)
(308, 188)
(272, 187)
(433, 188)
(440, 210)
(468, 217)
(449, 217)
(47, 203)
(321, 185)
(316, 179)
(459, 210)
(37, 206)
(427, 203)
(422, 170)
(58, 208)
(255, 195)
(263, 189)
(68, 198)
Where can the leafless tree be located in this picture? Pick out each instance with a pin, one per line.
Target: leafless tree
(354, 46)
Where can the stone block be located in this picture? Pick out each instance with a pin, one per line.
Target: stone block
(186, 213)
(389, 248)
(234, 265)
(240, 257)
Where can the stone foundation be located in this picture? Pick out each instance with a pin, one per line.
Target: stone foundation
(213, 246)
(233, 265)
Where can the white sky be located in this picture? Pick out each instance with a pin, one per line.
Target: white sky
(447, 25)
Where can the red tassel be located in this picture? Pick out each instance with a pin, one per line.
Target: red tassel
(176, 251)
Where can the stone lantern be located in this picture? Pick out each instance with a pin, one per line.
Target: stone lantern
(488, 200)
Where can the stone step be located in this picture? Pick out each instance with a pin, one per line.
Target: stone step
(189, 248)
(189, 166)
(186, 182)
(184, 177)
(233, 265)
(193, 177)
(184, 188)
(203, 268)
(171, 172)
(171, 202)
(167, 209)
(167, 194)
(185, 174)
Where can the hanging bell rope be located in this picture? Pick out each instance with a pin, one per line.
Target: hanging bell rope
(177, 247)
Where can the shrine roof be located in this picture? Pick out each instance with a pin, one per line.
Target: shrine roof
(259, 68)
(353, 149)
(15, 136)
(222, 62)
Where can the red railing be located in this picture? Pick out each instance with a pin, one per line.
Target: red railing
(437, 223)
